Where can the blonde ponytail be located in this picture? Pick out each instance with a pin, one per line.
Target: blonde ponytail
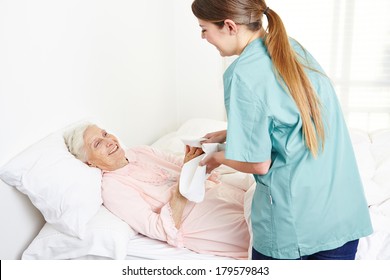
(293, 76)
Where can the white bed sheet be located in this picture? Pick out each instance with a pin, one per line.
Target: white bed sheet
(377, 245)
(372, 152)
(142, 247)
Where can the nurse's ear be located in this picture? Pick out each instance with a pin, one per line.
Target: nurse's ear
(231, 26)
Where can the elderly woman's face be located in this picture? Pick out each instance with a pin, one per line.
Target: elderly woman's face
(103, 149)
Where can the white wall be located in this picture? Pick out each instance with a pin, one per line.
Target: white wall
(199, 69)
(63, 61)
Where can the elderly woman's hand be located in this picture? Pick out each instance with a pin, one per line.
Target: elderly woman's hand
(192, 152)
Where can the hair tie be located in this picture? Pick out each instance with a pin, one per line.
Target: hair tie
(266, 11)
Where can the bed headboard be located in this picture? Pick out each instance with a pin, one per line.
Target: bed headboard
(20, 220)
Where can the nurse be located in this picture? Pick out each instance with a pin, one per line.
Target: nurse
(286, 127)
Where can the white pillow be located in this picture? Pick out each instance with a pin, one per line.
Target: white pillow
(191, 129)
(106, 236)
(65, 190)
(200, 127)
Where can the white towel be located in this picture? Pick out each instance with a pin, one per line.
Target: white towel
(193, 176)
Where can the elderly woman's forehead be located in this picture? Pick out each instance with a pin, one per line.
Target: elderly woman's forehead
(94, 126)
(92, 130)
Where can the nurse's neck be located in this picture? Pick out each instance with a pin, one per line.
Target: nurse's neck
(251, 36)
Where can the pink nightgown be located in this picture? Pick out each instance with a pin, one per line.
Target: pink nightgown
(139, 194)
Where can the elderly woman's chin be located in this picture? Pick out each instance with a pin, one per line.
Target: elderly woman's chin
(118, 152)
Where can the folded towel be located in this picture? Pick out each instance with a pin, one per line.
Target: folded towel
(193, 176)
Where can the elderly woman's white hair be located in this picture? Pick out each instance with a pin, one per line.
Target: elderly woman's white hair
(74, 140)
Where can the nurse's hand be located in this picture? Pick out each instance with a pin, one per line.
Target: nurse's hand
(212, 161)
(215, 137)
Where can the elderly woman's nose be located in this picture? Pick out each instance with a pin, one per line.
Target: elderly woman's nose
(109, 142)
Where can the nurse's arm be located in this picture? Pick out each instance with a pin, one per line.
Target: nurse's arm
(216, 159)
(260, 168)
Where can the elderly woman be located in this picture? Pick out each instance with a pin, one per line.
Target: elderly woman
(141, 186)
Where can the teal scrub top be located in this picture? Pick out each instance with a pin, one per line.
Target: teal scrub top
(303, 205)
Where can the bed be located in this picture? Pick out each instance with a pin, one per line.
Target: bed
(46, 220)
